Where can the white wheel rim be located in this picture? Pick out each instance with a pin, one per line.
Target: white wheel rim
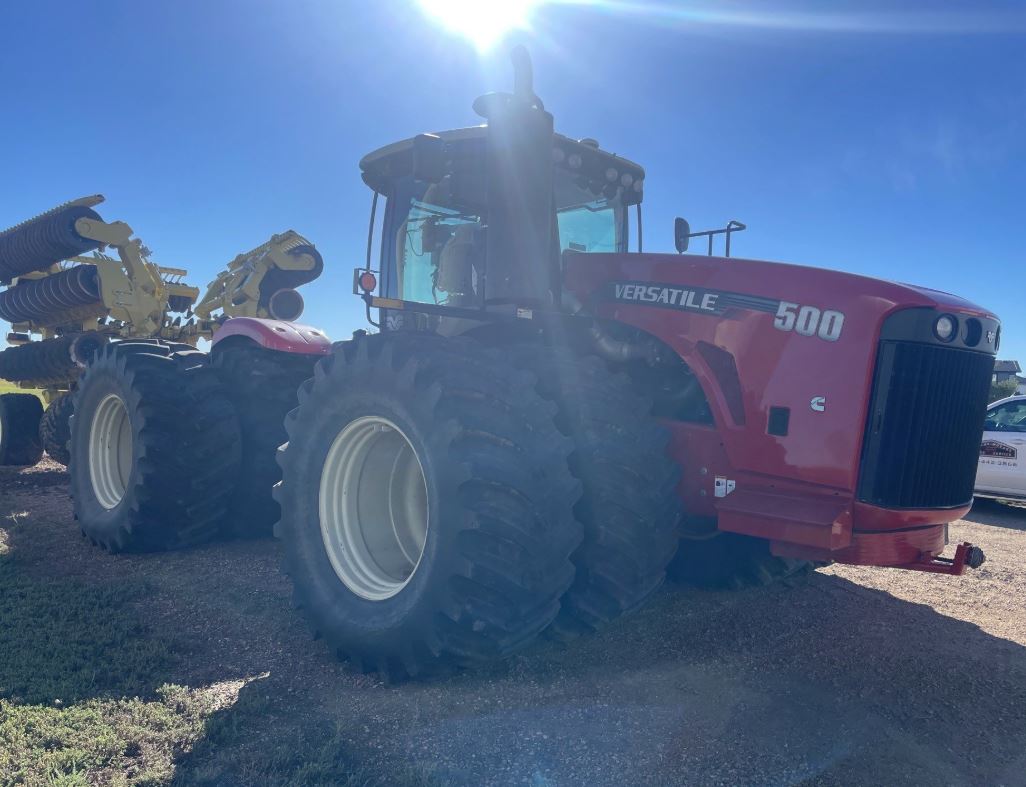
(373, 508)
(110, 451)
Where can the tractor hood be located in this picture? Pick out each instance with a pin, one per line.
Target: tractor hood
(761, 335)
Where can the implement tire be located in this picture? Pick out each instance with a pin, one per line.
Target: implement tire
(19, 429)
(55, 429)
(630, 509)
(729, 561)
(263, 386)
(427, 507)
(154, 448)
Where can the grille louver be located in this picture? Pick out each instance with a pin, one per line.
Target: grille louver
(925, 424)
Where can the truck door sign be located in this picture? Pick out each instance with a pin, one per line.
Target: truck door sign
(997, 449)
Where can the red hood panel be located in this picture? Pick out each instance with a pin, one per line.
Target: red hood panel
(733, 304)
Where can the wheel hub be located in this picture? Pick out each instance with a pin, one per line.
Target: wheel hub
(110, 451)
(373, 508)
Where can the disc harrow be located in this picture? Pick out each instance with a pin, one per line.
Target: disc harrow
(38, 243)
(52, 361)
(43, 301)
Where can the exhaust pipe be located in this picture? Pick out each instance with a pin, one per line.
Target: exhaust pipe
(523, 77)
(608, 347)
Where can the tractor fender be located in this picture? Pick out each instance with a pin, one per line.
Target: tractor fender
(276, 335)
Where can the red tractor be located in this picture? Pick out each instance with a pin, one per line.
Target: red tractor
(546, 423)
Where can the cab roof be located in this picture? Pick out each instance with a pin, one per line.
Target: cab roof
(380, 166)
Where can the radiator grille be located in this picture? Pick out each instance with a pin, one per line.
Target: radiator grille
(925, 424)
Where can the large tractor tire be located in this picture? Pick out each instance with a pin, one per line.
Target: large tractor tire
(630, 509)
(154, 448)
(263, 385)
(19, 429)
(55, 429)
(729, 561)
(427, 506)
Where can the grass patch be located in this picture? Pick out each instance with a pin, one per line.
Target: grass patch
(83, 692)
(8, 387)
(88, 696)
(63, 641)
(126, 741)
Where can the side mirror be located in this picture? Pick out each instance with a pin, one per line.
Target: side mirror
(429, 158)
(681, 234)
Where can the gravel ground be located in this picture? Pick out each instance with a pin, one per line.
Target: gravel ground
(860, 676)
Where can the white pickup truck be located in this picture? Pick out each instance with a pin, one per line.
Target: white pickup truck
(1002, 468)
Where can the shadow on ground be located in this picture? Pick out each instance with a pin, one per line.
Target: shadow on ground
(829, 683)
(998, 513)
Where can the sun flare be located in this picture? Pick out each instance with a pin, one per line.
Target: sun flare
(482, 22)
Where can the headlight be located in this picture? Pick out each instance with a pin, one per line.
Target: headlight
(945, 328)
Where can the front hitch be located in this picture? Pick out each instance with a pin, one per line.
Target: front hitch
(966, 555)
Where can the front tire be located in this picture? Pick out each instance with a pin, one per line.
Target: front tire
(729, 561)
(154, 448)
(426, 504)
(19, 429)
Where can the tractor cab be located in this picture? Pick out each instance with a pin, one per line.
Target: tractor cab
(480, 219)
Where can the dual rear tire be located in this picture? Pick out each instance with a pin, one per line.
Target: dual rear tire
(154, 448)
(442, 506)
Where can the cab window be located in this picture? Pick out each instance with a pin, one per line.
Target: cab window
(589, 220)
(439, 249)
(588, 228)
(1008, 417)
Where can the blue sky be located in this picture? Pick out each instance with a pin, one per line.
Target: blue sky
(846, 135)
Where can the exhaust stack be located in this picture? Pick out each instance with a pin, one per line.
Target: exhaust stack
(522, 255)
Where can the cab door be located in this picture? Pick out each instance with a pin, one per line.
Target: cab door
(1002, 465)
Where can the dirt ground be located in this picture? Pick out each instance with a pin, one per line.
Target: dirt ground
(861, 676)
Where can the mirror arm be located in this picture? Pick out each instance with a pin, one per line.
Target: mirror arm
(682, 233)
